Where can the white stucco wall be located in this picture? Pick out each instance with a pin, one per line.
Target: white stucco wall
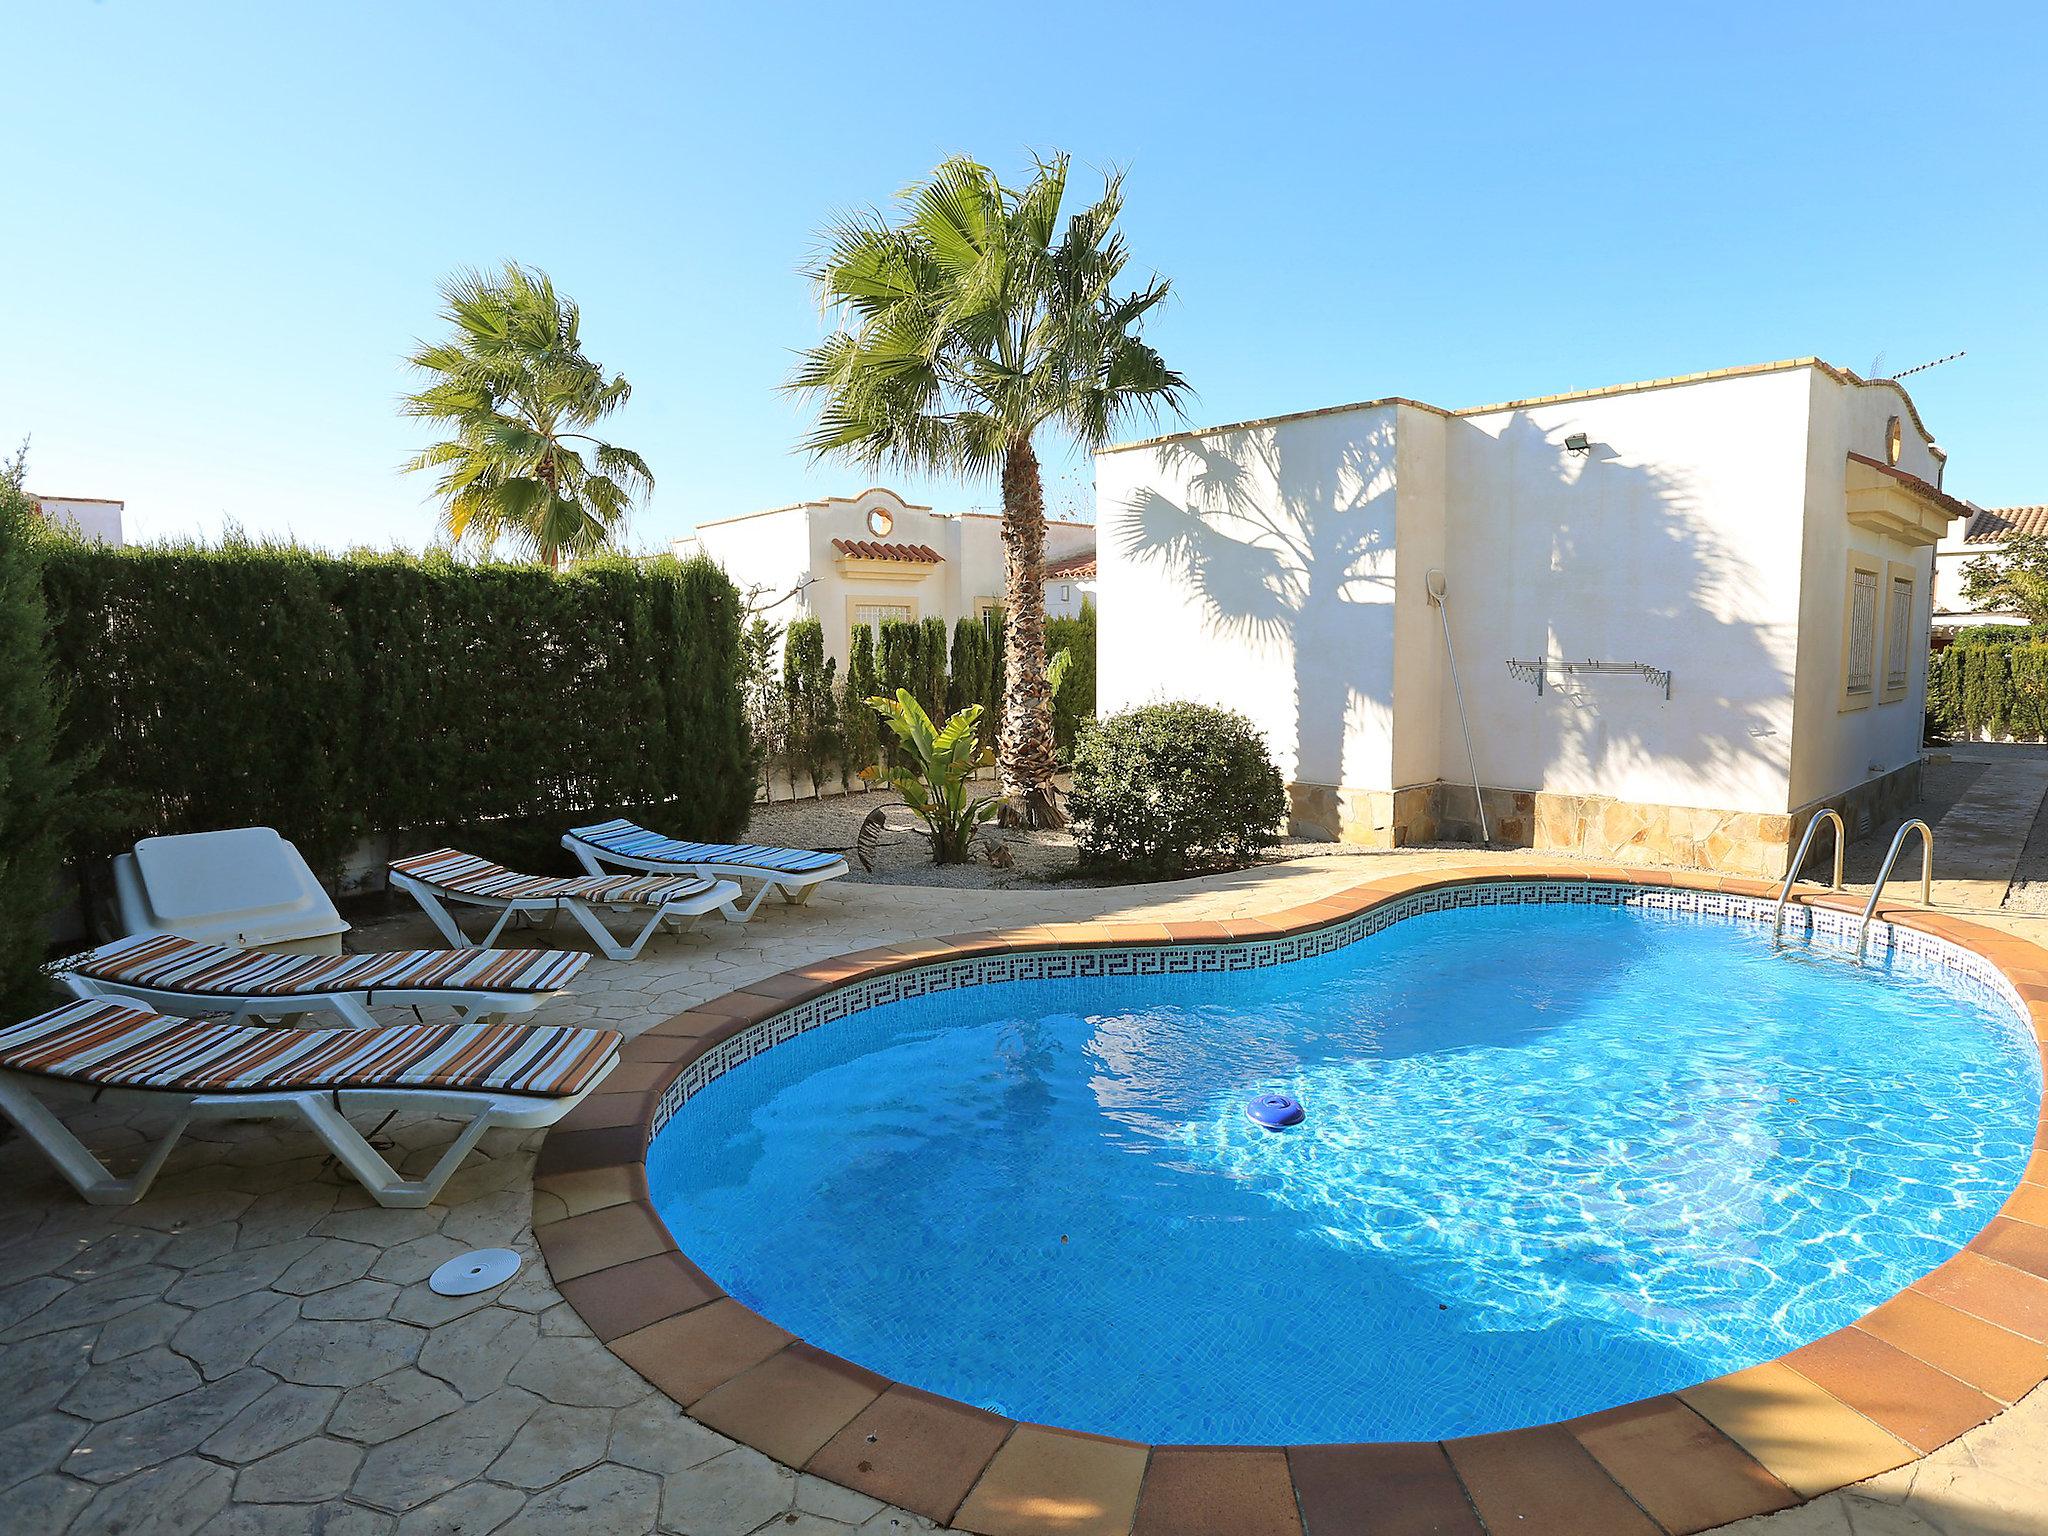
(92, 518)
(1835, 747)
(1279, 569)
(1254, 569)
(1673, 542)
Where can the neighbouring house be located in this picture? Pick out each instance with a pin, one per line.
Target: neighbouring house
(1686, 613)
(1983, 533)
(93, 517)
(850, 560)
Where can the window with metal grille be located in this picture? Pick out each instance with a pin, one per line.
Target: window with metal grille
(1862, 631)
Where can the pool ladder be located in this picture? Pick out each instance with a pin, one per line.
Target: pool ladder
(1799, 863)
(1884, 873)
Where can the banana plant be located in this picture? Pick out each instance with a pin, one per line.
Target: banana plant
(946, 757)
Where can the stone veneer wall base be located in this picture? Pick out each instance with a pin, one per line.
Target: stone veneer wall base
(1631, 833)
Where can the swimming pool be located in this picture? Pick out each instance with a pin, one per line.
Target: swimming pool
(1559, 1154)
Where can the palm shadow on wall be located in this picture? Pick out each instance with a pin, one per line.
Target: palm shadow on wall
(1278, 535)
(1309, 570)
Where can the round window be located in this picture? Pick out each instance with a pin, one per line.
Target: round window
(880, 523)
(1894, 441)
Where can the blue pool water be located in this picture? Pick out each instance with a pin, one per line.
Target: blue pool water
(1556, 1158)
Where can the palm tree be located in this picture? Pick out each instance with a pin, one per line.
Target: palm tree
(514, 387)
(971, 322)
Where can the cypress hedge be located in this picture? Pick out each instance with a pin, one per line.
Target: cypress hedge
(1074, 705)
(1989, 689)
(428, 699)
(36, 785)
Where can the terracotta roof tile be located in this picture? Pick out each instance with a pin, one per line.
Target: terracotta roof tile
(1994, 525)
(1079, 567)
(872, 549)
(1922, 488)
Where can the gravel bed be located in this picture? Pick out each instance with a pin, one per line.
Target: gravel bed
(904, 855)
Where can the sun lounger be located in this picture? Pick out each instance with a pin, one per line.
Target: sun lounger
(445, 876)
(174, 975)
(488, 1075)
(795, 872)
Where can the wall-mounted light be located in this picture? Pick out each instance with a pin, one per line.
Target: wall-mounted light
(1579, 444)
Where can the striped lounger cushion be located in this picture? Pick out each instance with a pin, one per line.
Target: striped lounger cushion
(168, 964)
(636, 842)
(112, 1046)
(465, 874)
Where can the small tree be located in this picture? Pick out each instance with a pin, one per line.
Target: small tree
(1073, 704)
(861, 747)
(931, 667)
(808, 680)
(35, 786)
(968, 676)
(896, 661)
(767, 712)
(941, 760)
(2015, 581)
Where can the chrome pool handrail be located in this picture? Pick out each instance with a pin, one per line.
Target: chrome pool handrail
(1885, 873)
(1799, 863)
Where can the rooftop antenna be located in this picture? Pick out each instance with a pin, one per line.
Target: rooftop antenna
(1923, 367)
(1876, 368)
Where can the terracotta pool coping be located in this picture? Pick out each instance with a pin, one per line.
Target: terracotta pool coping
(1950, 1351)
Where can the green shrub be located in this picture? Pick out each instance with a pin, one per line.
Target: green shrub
(35, 785)
(329, 697)
(1169, 788)
(809, 680)
(1074, 705)
(1989, 690)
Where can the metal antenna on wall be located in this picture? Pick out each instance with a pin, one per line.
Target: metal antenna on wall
(1923, 367)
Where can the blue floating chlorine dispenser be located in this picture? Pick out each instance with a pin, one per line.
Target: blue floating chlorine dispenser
(1274, 1111)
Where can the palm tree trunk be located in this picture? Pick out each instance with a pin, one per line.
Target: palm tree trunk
(1025, 753)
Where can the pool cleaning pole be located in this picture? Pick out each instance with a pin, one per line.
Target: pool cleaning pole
(1434, 581)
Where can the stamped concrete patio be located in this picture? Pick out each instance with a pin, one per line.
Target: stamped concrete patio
(253, 1349)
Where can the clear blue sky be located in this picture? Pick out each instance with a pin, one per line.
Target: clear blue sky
(223, 225)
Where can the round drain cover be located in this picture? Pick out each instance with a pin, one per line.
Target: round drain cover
(468, 1273)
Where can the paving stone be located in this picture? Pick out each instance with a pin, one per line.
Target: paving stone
(171, 1210)
(488, 1220)
(358, 1301)
(427, 1462)
(657, 1436)
(616, 1500)
(475, 1354)
(730, 1495)
(201, 1245)
(99, 1300)
(81, 1256)
(44, 1505)
(581, 1372)
(172, 1427)
(307, 1473)
(803, 1523)
(416, 1303)
(379, 1225)
(126, 1386)
(133, 1332)
(818, 1497)
(227, 1336)
(551, 1445)
(25, 1297)
(330, 1519)
(282, 1416)
(284, 1214)
(393, 1405)
(333, 1354)
(562, 1321)
(175, 1498)
(237, 1273)
(329, 1265)
(37, 1445)
(477, 1510)
(410, 1263)
(36, 1374)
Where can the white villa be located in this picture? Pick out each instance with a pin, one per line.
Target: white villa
(91, 517)
(1686, 613)
(1985, 533)
(851, 560)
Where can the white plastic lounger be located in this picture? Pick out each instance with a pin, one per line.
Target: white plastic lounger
(443, 876)
(488, 1075)
(795, 872)
(174, 975)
